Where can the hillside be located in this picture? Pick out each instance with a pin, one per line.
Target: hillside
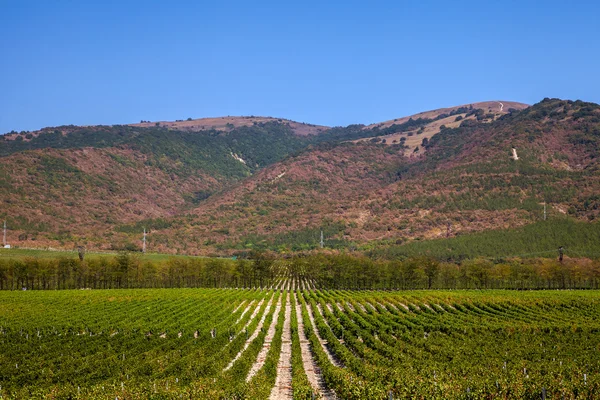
(70, 184)
(226, 124)
(486, 107)
(427, 124)
(465, 182)
(248, 183)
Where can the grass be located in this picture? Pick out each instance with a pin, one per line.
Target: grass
(51, 254)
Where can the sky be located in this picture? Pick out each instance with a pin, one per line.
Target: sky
(324, 62)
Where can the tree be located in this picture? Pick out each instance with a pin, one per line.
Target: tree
(123, 263)
(432, 268)
(263, 263)
(81, 252)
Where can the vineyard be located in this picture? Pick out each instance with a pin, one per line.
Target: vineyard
(292, 340)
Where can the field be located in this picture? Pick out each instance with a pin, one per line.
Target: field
(294, 340)
(23, 254)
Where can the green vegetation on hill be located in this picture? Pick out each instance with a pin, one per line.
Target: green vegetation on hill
(158, 178)
(215, 152)
(539, 239)
(305, 239)
(179, 152)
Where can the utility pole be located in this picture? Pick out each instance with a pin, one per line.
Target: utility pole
(322, 242)
(144, 242)
(4, 236)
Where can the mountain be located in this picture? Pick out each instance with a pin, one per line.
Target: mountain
(465, 180)
(69, 183)
(235, 183)
(228, 123)
(436, 120)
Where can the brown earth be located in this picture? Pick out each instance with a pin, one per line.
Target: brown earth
(226, 123)
(488, 106)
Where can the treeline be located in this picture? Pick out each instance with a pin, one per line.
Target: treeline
(128, 270)
(344, 271)
(326, 271)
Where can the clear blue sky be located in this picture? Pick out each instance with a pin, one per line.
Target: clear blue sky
(324, 62)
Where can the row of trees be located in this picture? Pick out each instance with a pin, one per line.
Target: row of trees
(335, 271)
(128, 270)
(350, 272)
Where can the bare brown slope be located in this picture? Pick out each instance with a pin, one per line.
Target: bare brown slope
(414, 139)
(494, 107)
(227, 123)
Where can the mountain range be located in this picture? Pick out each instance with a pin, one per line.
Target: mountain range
(230, 184)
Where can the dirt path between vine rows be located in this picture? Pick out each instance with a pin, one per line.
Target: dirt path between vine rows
(254, 313)
(254, 334)
(313, 372)
(238, 307)
(323, 342)
(283, 383)
(243, 312)
(262, 355)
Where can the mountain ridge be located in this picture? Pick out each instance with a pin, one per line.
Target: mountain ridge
(221, 123)
(489, 106)
(261, 185)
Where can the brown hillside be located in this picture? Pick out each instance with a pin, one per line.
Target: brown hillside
(413, 139)
(495, 107)
(57, 197)
(363, 191)
(226, 123)
(466, 182)
(299, 192)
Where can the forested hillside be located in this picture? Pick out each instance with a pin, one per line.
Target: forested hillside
(246, 184)
(68, 184)
(466, 181)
